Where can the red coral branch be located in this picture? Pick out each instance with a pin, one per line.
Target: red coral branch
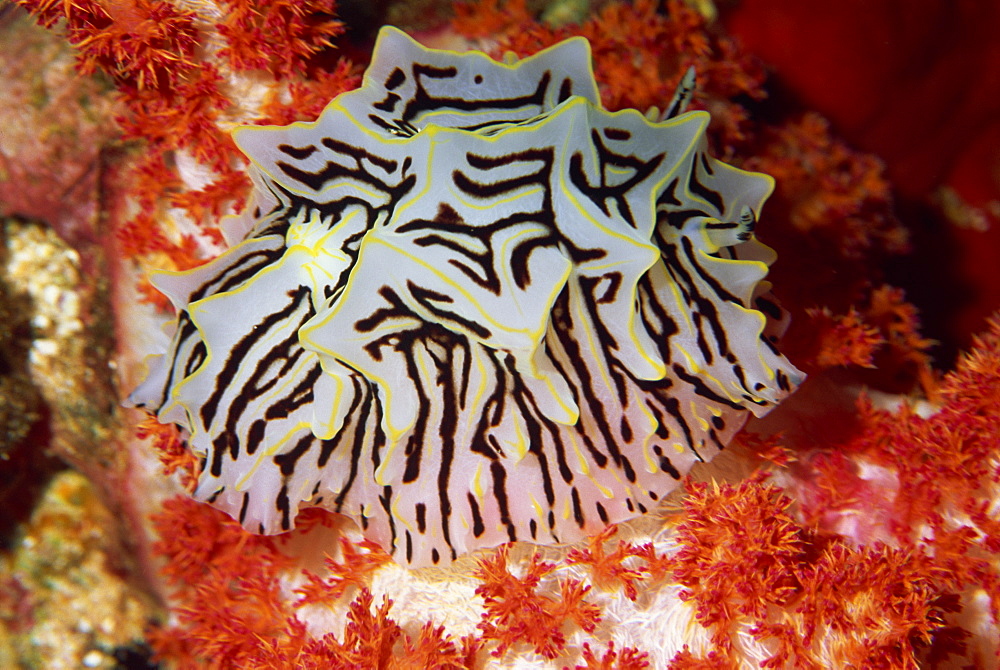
(305, 100)
(812, 600)
(142, 44)
(435, 650)
(171, 450)
(639, 55)
(231, 611)
(279, 36)
(517, 612)
(907, 350)
(838, 195)
(488, 18)
(373, 640)
(358, 564)
(627, 658)
(608, 570)
(714, 660)
(945, 466)
(844, 339)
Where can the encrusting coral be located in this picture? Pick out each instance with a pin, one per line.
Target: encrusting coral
(879, 547)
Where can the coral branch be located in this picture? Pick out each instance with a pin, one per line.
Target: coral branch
(517, 612)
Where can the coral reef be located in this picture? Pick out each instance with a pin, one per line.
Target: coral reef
(869, 534)
(21, 409)
(65, 599)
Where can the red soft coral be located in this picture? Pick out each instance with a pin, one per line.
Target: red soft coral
(517, 612)
(171, 449)
(231, 610)
(843, 339)
(142, 44)
(355, 569)
(609, 570)
(639, 55)
(839, 196)
(813, 601)
(626, 658)
(279, 36)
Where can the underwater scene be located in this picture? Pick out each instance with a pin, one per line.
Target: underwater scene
(585, 334)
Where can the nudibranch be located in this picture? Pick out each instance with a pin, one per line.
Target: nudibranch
(468, 305)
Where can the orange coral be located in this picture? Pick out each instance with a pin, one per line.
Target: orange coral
(517, 612)
(844, 339)
(882, 336)
(279, 36)
(946, 469)
(838, 196)
(627, 658)
(768, 448)
(714, 660)
(907, 351)
(173, 453)
(368, 638)
(972, 391)
(373, 640)
(607, 570)
(142, 44)
(736, 545)
(869, 607)
(814, 601)
(231, 612)
(206, 205)
(305, 100)
(639, 55)
(832, 223)
(184, 119)
(488, 18)
(435, 651)
(355, 570)
(230, 598)
(199, 542)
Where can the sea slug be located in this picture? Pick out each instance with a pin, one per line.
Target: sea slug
(468, 305)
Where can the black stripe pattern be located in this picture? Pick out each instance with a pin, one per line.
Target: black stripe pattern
(469, 306)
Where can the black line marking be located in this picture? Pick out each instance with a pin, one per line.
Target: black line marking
(500, 493)
(577, 509)
(283, 505)
(421, 512)
(395, 79)
(286, 462)
(298, 153)
(477, 518)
